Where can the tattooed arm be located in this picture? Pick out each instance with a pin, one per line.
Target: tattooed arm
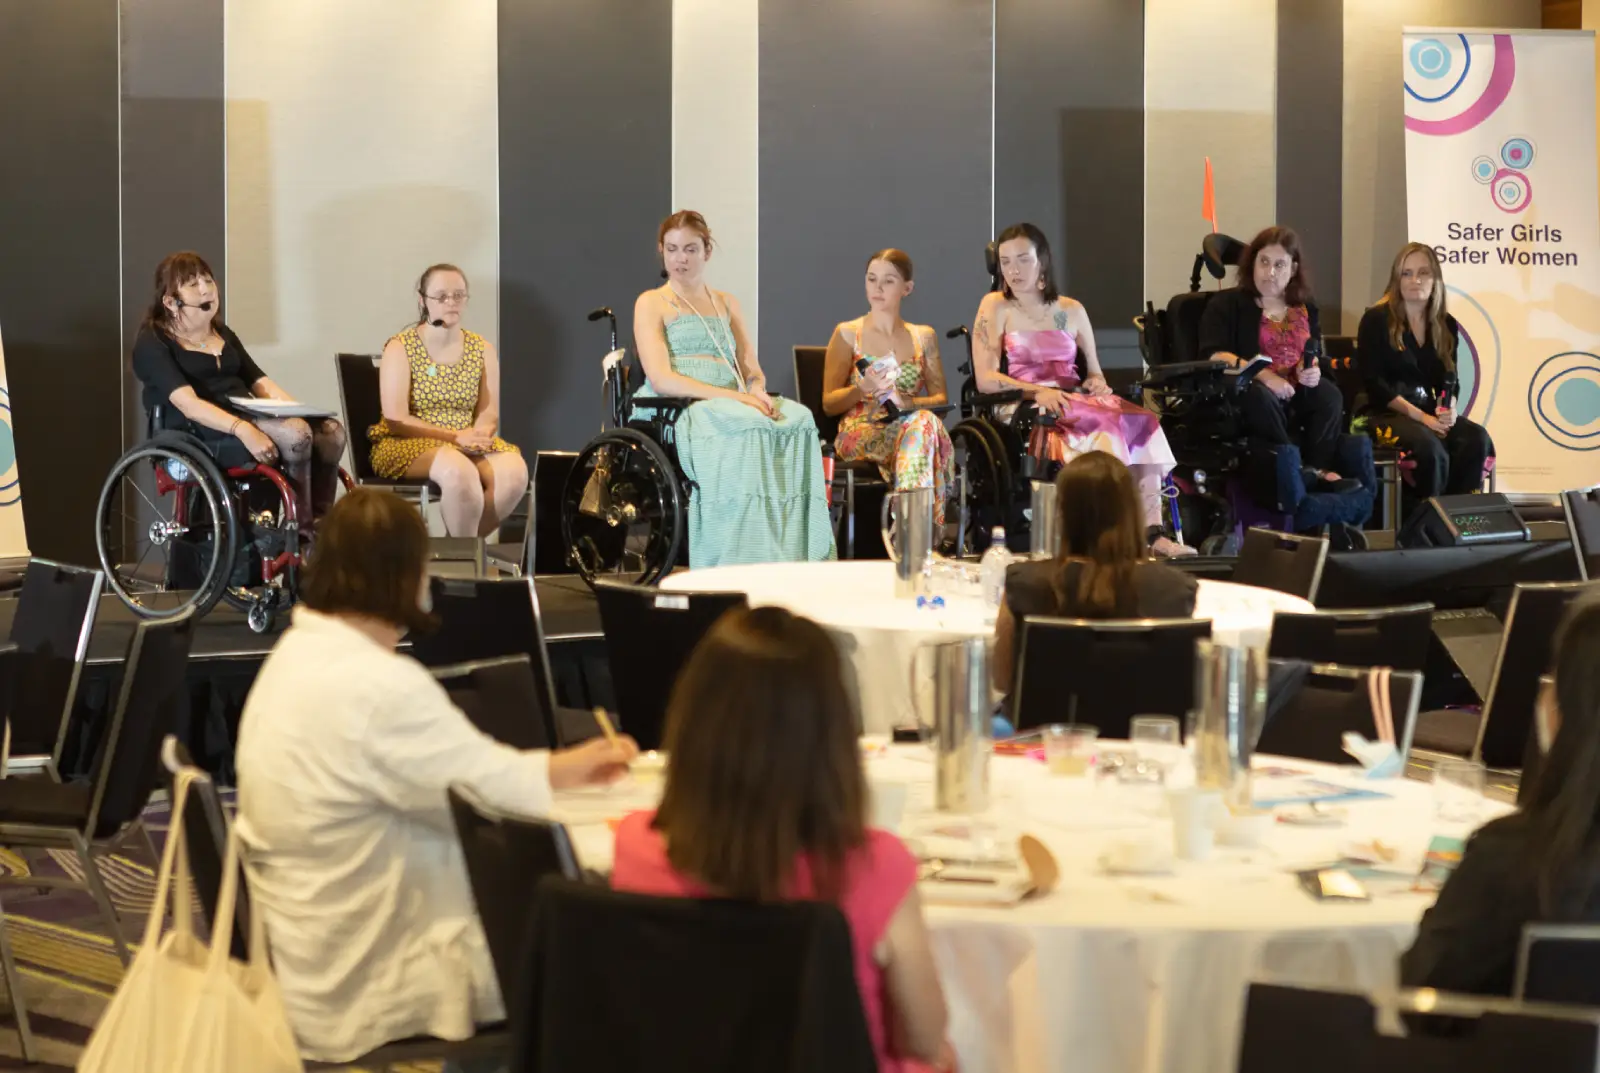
(986, 340)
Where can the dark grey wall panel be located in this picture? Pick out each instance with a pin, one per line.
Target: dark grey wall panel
(1311, 145)
(585, 178)
(1069, 149)
(60, 285)
(874, 132)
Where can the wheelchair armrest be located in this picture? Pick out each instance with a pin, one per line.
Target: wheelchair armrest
(671, 403)
(997, 398)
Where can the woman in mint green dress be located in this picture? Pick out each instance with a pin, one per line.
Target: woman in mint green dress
(755, 461)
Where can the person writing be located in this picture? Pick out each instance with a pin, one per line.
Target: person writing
(346, 751)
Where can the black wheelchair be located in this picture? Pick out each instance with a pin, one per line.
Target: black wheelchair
(176, 532)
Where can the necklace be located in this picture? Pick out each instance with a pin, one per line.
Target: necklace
(716, 343)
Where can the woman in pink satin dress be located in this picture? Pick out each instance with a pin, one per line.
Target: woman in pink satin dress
(1050, 356)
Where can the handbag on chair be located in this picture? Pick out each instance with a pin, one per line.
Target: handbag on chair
(187, 1005)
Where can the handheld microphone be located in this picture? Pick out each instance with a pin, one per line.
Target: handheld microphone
(1312, 353)
(862, 365)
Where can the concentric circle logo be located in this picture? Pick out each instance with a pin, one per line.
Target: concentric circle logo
(1484, 169)
(1477, 356)
(1455, 82)
(10, 485)
(1511, 190)
(1517, 153)
(1564, 400)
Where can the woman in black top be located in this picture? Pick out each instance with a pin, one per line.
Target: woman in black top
(190, 363)
(1271, 313)
(1407, 348)
(1539, 864)
(1100, 570)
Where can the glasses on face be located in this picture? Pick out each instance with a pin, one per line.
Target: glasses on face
(453, 298)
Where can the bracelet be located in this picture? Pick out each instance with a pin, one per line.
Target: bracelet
(235, 426)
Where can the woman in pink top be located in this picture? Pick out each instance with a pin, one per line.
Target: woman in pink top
(765, 800)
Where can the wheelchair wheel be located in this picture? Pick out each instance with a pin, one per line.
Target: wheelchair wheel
(166, 531)
(264, 574)
(987, 480)
(622, 511)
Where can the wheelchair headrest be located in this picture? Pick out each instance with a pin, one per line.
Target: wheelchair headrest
(991, 261)
(1221, 253)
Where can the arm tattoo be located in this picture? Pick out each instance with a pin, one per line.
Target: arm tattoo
(981, 328)
(1061, 319)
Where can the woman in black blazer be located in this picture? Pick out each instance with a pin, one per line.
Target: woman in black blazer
(1541, 864)
(1271, 312)
(1407, 348)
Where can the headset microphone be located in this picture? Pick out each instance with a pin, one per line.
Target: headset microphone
(437, 322)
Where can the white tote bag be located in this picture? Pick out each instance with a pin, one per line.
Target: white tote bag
(184, 1007)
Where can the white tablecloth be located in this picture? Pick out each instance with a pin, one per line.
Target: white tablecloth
(878, 633)
(1130, 974)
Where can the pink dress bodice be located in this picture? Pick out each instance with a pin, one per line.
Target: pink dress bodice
(1043, 357)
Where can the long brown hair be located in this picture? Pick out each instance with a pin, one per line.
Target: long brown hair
(1438, 316)
(176, 271)
(764, 766)
(1297, 292)
(1101, 537)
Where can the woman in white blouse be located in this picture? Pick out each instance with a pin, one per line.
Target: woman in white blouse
(346, 750)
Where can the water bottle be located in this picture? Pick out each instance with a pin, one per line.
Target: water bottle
(992, 569)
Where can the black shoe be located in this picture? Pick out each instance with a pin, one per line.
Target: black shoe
(1315, 482)
(1343, 536)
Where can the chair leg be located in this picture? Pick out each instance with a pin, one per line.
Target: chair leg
(150, 843)
(849, 514)
(91, 879)
(19, 1007)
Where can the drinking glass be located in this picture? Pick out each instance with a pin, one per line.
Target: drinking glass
(1155, 737)
(1458, 790)
(1070, 750)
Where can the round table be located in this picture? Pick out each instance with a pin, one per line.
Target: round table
(879, 633)
(1131, 974)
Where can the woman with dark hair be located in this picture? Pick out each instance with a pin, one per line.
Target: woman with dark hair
(1271, 313)
(192, 363)
(441, 411)
(1100, 570)
(346, 750)
(765, 800)
(756, 461)
(1050, 356)
(913, 451)
(1407, 349)
(1540, 864)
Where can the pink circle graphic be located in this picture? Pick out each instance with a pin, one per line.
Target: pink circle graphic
(1511, 190)
(1494, 95)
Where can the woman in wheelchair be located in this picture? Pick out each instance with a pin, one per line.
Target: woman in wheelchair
(755, 462)
(1407, 349)
(191, 363)
(1043, 335)
(1100, 570)
(912, 451)
(1271, 313)
(441, 409)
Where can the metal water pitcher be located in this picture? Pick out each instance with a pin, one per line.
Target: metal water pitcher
(954, 708)
(1230, 705)
(1044, 527)
(908, 536)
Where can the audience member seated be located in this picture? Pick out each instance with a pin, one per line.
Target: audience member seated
(757, 460)
(911, 452)
(1271, 313)
(1043, 334)
(192, 363)
(766, 800)
(346, 750)
(1100, 570)
(1407, 349)
(1541, 864)
(441, 411)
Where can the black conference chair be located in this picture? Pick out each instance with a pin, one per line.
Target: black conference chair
(41, 665)
(649, 635)
(362, 403)
(1330, 700)
(95, 817)
(1285, 562)
(1559, 963)
(1581, 507)
(719, 986)
(850, 477)
(501, 698)
(546, 552)
(1104, 673)
(1395, 637)
(1313, 1031)
(506, 856)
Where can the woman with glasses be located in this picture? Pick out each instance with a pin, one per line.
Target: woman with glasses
(441, 411)
(192, 364)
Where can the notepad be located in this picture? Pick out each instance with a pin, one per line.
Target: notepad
(1315, 791)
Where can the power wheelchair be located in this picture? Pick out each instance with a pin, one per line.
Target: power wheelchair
(175, 532)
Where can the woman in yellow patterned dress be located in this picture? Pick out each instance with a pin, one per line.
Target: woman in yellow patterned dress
(441, 410)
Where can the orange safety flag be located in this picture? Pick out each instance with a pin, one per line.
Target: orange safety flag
(1208, 199)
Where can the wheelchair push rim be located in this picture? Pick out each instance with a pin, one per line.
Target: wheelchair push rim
(622, 511)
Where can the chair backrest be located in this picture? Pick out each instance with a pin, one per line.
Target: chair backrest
(482, 618)
(55, 615)
(547, 550)
(205, 834)
(150, 705)
(1526, 652)
(506, 856)
(809, 364)
(1336, 1032)
(362, 403)
(649, 635)
(1099, 672)
(709, 985)
(1283, 561)
(1331, 700)
(1582, 509)
(1559, 963)
(1395, 637)
(501, 698)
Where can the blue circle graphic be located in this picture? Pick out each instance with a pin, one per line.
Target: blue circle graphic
(1517, 153)
(1431, 60)
(1472, 386)
(10, 490)
(1564, 400)
(1484, 169)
